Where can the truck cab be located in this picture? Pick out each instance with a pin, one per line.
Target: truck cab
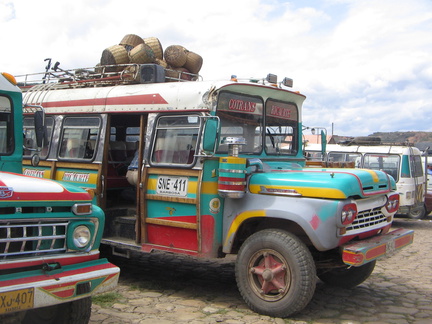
(50, 234)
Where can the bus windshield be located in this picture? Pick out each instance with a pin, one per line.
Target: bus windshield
(272, 129)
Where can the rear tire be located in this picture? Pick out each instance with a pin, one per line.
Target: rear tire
(347, 277)
(417, 213)
(75, 312)
(275, 273)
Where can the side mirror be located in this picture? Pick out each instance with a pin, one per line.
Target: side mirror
(211, 135)
(39, 122)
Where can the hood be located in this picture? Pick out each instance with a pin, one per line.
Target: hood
(16, 187)
(322, 183)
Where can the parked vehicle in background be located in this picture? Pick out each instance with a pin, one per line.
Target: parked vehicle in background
(49, 233)
(403, 163)
(212, 168)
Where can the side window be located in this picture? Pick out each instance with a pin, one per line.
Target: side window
(6, 130)
(30, 136)
(175, 140)
(79, 138)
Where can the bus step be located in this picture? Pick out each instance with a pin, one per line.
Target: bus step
(121, 226)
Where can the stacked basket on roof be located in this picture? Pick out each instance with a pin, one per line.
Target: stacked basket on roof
(179, 62)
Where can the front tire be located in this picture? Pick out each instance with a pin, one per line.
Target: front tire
(75, 312)
(275, 273)
(346, 277)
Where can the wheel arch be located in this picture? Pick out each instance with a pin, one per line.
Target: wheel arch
(258, 223)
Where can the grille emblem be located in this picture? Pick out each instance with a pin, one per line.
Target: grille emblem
(6, 192)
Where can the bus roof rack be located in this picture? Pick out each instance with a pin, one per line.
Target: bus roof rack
(105, 75)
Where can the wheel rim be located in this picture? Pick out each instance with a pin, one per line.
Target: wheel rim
(269, 275)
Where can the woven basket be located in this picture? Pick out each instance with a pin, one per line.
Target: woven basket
(193, 62)
(141, 54)
(129, 41)
(161, 63)
(155, 45)
(175, 55)
(173, 74)
(115, 54)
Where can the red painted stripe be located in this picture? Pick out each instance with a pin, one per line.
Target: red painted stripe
(376, 252)
(50, 196)
(64, 260)
(67, 293)
(59, 275)
(402, 241)
(146, 99)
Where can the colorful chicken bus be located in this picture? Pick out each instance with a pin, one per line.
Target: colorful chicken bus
(403, 163)
(209, 169)
(49, 234)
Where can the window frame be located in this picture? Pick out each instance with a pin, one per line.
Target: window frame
(191, 148)
(85, 149)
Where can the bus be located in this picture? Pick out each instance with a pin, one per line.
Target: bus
(50, 232)
(211, 169)
(403, 163)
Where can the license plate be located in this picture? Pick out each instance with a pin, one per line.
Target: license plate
(17, 300)
(172, 186)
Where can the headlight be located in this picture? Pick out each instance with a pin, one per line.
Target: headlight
(349, 213)
(81, 236)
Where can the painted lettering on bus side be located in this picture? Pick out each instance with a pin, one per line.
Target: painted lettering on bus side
(34, 173)
(74, 176)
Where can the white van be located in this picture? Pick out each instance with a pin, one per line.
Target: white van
(403, 163)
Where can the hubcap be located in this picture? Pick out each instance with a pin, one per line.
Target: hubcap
(269, 275)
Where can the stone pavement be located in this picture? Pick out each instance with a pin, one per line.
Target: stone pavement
(160, 288)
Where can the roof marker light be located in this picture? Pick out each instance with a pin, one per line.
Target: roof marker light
(10, 78)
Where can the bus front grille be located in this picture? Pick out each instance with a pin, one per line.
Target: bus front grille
(367, 219)
(31, 238)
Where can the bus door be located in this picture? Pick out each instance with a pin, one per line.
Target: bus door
(122, 143)
(74, 152)
(69, 152)
(169, 199)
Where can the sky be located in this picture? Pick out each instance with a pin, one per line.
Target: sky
(364, 66)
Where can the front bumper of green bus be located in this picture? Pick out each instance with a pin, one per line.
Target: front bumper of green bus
(54, 284)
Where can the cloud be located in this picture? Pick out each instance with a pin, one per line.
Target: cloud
(363, 65)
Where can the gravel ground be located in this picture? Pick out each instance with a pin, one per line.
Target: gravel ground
(163, 288)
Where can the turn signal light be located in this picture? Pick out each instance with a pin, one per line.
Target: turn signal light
(10, 78)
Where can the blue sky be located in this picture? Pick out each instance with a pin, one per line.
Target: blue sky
(364, 66)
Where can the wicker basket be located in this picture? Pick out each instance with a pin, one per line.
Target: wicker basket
(161, 63)
(141, 54)
(173, 74)
(155, 45)
(175, 55)
(113, 55)
(193, 62)
(129, 41)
